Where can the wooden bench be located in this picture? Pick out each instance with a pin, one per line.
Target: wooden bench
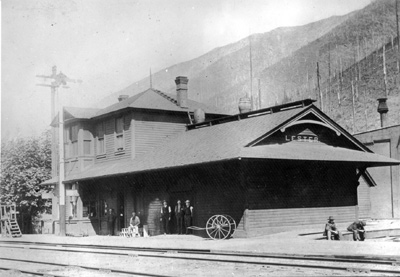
(125, 232)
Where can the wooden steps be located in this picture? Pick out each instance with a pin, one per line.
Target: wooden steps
(8, 218)
(13, 228)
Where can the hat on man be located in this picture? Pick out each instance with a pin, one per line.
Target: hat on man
(331, 218)
(363, 223)
(165, 201)
(187, 201)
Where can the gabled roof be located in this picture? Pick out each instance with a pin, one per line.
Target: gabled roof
(232, 140)
(153, 99)
(150, 99)
(75, 113)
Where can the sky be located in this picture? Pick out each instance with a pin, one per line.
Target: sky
(109, 45)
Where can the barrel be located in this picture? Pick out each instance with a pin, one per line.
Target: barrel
(244, 105)
(199, 116)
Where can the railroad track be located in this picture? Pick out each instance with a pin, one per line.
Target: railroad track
(358, 264)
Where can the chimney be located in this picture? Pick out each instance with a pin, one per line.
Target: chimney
(122, 97)
(383, 109)
(181, 91)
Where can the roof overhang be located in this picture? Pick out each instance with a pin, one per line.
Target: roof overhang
(321, 153)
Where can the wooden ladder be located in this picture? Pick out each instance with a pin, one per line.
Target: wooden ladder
(13, 228)
(8, 220)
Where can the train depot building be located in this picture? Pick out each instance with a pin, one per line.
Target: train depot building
(271, 169)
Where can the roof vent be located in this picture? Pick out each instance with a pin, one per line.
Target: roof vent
(383, 109)
(122, 97)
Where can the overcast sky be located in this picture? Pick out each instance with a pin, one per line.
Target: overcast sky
(111, 44)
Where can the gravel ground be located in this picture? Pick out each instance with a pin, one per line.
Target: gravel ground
(284, 243)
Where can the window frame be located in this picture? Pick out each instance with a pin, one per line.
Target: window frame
(100, 136)
(119, 135)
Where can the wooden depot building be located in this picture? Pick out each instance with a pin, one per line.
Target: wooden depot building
(269, 169)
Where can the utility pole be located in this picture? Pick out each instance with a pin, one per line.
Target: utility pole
(151, 80)
(251, 75)
(398, 37)
(319, 89)
(58, 80)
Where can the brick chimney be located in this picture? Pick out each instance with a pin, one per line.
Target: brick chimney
(383, 109)
(181, 91)
(122, 97)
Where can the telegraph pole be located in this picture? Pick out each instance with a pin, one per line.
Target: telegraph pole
(58, 80)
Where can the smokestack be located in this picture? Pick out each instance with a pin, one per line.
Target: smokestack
(181, 91)
(383, 109)
(122, 97)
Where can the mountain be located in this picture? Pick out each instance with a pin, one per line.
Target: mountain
(365, 81)
(223, 68)
(284, 67)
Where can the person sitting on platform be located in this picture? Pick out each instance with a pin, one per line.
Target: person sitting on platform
(331, 232)
(357, 228)
(134, 225)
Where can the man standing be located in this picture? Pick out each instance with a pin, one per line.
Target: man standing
(111, 221)
(165, 217)
(188, 215)
(179, 217)
(357, 227)
(331, 230)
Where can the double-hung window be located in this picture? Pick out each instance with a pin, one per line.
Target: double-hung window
(74, 140)
(101, 147)
(119, 134)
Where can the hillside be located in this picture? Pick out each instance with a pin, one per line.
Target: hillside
(364, 80)
(284, 61)
(217, 71)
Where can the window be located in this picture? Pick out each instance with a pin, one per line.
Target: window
(119, 134)
(101, 149)
(71, 141)
(67, 150)
(89, 209)
(73, 133)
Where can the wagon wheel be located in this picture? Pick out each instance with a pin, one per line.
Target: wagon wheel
(218, 227)
(233, 224)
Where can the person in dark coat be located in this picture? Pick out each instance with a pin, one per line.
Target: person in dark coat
(111, 221)
(165, 217)
(330, 230)
(179, 217)
(188, 216)
(357, 228)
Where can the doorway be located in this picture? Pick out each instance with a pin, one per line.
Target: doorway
(121, 210)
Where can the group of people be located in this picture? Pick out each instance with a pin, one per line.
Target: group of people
(183, 215)
(357, 228)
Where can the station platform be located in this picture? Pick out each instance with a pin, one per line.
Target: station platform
(294, 242)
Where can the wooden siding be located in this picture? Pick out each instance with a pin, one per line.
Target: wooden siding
(142, 132)
(109, 139)
(364, 199)
(385, 198)
(259, 222)
(152, 134)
